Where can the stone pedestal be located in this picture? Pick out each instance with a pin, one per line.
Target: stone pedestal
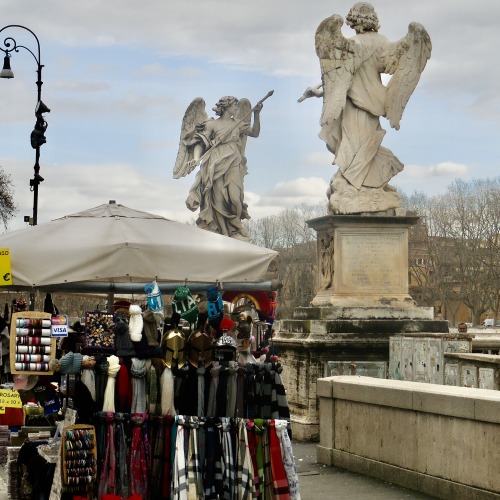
(362, 301)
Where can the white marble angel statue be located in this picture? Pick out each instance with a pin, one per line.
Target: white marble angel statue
(354, 99)
(218, 146)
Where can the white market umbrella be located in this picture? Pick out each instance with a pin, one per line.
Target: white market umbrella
(112, 247)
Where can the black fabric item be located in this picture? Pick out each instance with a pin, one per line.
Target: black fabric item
(84, 404)
(221, 395)
(123, 342)
(40, 472)
(101, 378)
(187, 402)
(145, 351)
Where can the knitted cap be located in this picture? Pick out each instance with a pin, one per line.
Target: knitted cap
(71, 362)
(150, 328)
(135, 323)
(123, 342)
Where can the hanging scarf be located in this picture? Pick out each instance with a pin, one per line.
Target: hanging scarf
(109, 393)
(259, 453)
(211, 434)
(231, 389)
(107, 483)
(281, 490)
(88, 376)
(245, 486)
(200, 371)
(228, 470)
(138, 458)
(179, 480)
(138, 372)
(195, 482)
(122, 486)
(267, 490)
(166, 458)
(152, 384)
(252, 447)
(288, 459)
(157, 442)
(167, 392)
(212, 405)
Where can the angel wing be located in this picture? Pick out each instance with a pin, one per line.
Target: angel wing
(339, 60)
(195, 115)
(245, 114)
(405, 60)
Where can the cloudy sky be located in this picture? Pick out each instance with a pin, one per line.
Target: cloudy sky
(119, 75)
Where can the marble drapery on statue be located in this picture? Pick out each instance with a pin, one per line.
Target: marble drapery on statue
(218, 146)
(354, 99)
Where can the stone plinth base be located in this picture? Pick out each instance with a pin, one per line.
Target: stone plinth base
(363, 260)
(318, 335)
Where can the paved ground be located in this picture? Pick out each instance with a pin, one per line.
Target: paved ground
(319, 482)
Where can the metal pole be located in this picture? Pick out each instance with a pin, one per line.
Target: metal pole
(38, 137)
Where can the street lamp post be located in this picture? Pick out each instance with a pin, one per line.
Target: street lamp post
(38, 134)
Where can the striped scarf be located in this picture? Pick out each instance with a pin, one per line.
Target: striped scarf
(228, 465)
(288, 459)
(138, 372)
(122, 486)
(138, 458)
(179, 480)
(280, 481)
(246, 488)
(107, 482)
(195, 480)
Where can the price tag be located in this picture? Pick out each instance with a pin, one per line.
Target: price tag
(5, 269)
(9, 399)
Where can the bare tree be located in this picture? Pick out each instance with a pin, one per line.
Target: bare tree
(7, 206)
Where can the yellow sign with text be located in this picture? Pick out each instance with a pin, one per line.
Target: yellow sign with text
(10, 399)
(5, 269)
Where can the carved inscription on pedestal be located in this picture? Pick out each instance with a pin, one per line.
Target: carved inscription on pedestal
(371, 261)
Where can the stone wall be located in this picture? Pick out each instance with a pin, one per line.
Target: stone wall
(443, 441)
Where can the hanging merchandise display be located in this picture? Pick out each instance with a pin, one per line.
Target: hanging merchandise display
(184, 304)
(99, 331)
(153, 296)
(215, 309)
(79, 463)
(189, 413)
(31, 345)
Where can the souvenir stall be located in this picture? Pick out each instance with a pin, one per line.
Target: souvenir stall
(159, 407)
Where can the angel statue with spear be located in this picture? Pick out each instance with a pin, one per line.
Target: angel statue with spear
(218, 146)
(354, 99)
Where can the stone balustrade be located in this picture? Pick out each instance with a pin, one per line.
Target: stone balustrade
(440, 440)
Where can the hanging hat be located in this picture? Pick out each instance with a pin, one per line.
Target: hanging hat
(200, 349)
(135, 323)
(184, 304)
(71, 362)
(24, 382)
(215, 309)
(153, 296)
(150, 328)
(123, 342)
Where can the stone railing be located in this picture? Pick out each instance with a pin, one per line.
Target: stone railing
(440, 440)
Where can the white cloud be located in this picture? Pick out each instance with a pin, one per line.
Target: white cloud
(445, 169)
(319, 158)
(288, 194)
